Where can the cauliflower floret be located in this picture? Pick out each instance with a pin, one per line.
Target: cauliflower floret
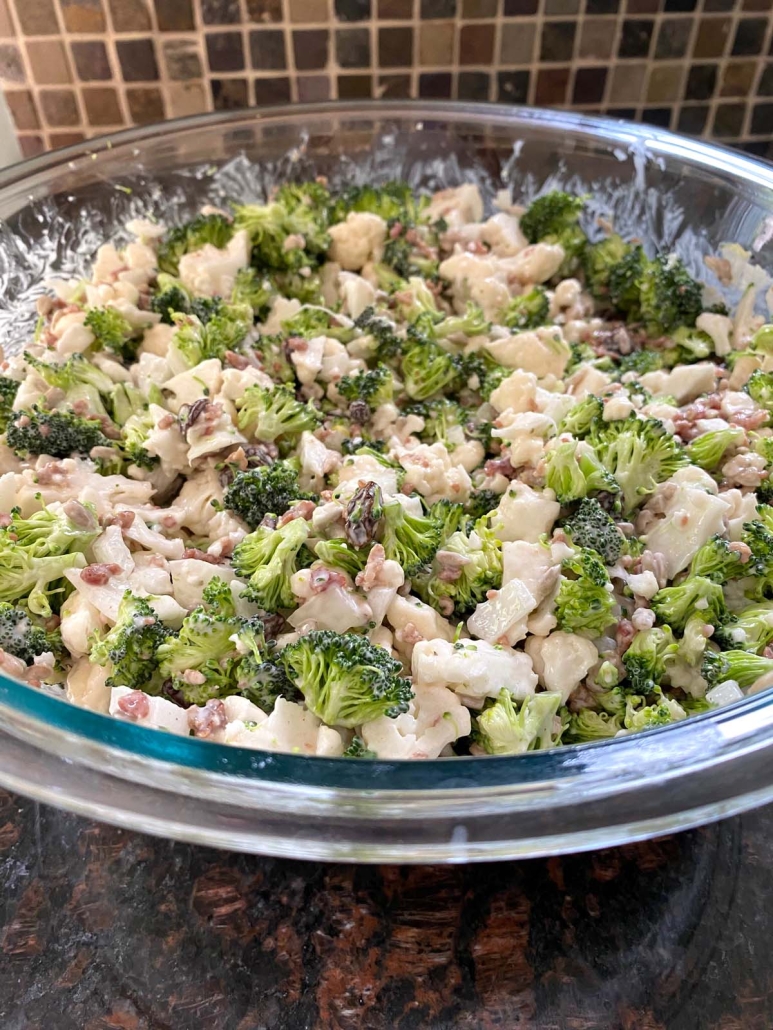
(355, 293)
(542, 351)
(474, 278)
(336, 362)
(357, 240)
(517, 393)
(364, 467)
(536, 263)
(412, 621)
(338, 608)
(742, 508)
(458, 205)
(193, 506)
(525, 514)
(75, 339)
(719, 328)
(561, 660)
(212, 433)
(436, 718)
(289, 728)
(80, 622)
(307, 356)
(526, 434)
(203, 380)
(684, 383)
(502, 619)
(587, 381)
(86, 686)
(155, 712)
(211, 270)
(534, 565)
(692, 514)
(191, 575)
(430, 471)
(165, 441)
(317, 461)
(151, 574)
(475, 669)
(156, 340)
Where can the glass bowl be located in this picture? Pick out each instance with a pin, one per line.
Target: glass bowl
(676, 193)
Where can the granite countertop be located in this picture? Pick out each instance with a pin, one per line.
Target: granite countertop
(102, 929)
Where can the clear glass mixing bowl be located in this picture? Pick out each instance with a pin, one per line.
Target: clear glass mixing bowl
(673, 192)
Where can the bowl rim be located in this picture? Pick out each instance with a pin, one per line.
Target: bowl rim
(580, 774)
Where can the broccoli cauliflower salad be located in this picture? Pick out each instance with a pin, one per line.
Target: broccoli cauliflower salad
(375, 475)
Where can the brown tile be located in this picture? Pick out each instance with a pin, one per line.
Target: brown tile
(83, 15)
(21, 104)
(354, 87)
(643, 6)
(757, 5)
(665, 83)
(267, 50)
(473, 86)
(306, 12)
(479, 8)
(395, 10)
(49, 63)
(64, 139)
(184, 98)
(312, 88)
(130, 15)
(557, 40)
(394, 87)
(11, 69)
(220, 12)
(264, 10)
(229, 94)
(310, 47)
(351, 10)
(225, 52)
(436, 43)
(138, 60)
(31, 146)
(146, 105)
(435, 85)
(353, 47)
(273, 90)
(552, 85)
(476, 44)
(517, 45)
(59, 107)
(37, 17)
(91, 60)
(737, 79)
(174, 15)
(102, 107)
(597, 39)
(182, 59)
(395, 47)
(6, 25)
(589, 85)
(728, 120)
(627, 86)
(711, 38)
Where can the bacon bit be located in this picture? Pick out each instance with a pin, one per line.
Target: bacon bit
(748, 419)
(476, 247)
(236, 360)
(5, 520)
(768, 652)
(223, 548)
(23, 421)
(366, 579)
(50, 473)
(124, 519)
(209, 719)
(166, 421)
(624, 635)
(98, 574)
(396, 230)
(499, 467)
(323, 579)
(721, 268)
(169, 522)
(743, 550)
(134, 705)
(80, 515)
(451, 565)
(11, 665)
(296, 343)
(409, 634)
(194, 552)
(301, 510)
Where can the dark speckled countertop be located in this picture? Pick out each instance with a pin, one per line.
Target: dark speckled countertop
(102, 929)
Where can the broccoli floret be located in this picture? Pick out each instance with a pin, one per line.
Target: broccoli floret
(447, 422)
(346, 680)
(504, 729)
(427, 368)
(744, 667)
(573, 470)
(481, 571)
(661, 713)
(195, 342)
(271, 227)
(584, 603)
(472, 323)
(709, 450)
(668, 296)
(587, 725)
(112, 332)
(253, 291)
(315, 321)
(75, 371)
(717, 561)
(592, 527)
(267, 558)
(646, 660)
(639, 453)
(58, 529)
(170, 300)
(263, 682)
(394, 201)
(20, 637)
(579, 419)
(338, 554)
(760, 388)
(267, 415)
(553, 218)
(528, 311)
(214, 229)
(272, 358)
(58, 433)
(600, 261)
(358, 749)
(8, 390)
(383, 331)
(749, 630)
(410, 540)
(480, 503)
(270, 489)
(131, 647)
(38, 579)
(134, 436)
(694, 595)
(126, 401)
(625, 282)
(641, 361)
(372, 387)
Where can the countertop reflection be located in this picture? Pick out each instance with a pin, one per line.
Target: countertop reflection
(102, 929)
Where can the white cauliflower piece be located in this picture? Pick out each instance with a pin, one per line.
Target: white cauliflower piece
(358, 240)
(412, 620)
(336, 362)
(210, 436)
(86, 687)
(80, 622)
(458, 205)
(156, 340)
(338, 608)
(475, 669)
(364, 467)
(475, 278)
(526, 434)
(212, 270)
(307, 358)
(742, 508)
(586, 381)
(503, 235)
(165, 441)
(289, 728)
(435, 719)
(161, 714)
(236, 381)
(149, 370)
(203, 380)
(502, 619)
(430, 471)
(542, 351)
(191, 575)
(317, 461)
(525, 514)
(561, 660)
(535, 565)
(684, 383)
(516, 393)
(355, 293)
(141, 531)
(536, 263)
(719, 328)
(150, 576)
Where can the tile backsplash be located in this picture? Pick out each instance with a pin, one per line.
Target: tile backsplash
(72, 69)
